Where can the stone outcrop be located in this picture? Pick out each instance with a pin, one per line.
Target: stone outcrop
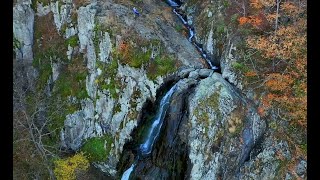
(223, 129)
(23, 21)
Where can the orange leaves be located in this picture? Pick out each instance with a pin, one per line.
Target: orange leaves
(253, 20)
(258, 21)
(286, 43)
(286, 88)
(123, 46)
(261, 111)
(251, 74)
(279, 82)
(243, 20)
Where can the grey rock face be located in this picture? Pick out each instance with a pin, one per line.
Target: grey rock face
(203, 73)
(219, 118)
(105, 48)
(301, 168)
(23, 21)
(151, 27)
(42, 10)
(70, 32)
(184, 72)
(55, 71)
(79, 126)
(61, 12)
(86, 25)
(226, 67)
(209, 34)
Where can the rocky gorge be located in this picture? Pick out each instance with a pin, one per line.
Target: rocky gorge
(104, 70)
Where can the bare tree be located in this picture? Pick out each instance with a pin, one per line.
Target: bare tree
(30, 121)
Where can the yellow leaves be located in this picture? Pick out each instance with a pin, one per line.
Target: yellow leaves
(272, 17)
(289, 8)
(65, 168)
(268, 3)
(256, 4)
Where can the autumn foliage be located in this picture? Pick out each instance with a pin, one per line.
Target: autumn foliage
(65, 169)
(285, 44)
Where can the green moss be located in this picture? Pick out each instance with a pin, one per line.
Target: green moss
(221, 28)
(204, 108)
(179, 27)
(162, 65)
(97, 148)
(139, 58)
(226, 3)
(16, 43)
(73, 41)
(109, 71)
(234, 18)
(239, 67)
(72, 85)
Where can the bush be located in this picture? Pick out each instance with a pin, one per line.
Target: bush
(65, 168)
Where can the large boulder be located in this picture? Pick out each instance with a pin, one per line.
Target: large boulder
(223, 128)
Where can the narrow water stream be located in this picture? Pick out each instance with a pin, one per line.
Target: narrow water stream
(191, 39)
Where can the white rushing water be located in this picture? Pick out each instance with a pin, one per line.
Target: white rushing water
(180, 17)
(154, 131)
(127, 173)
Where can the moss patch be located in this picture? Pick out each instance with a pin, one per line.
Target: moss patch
(72, 41)
(97, 148)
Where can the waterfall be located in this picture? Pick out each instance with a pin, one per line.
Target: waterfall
(146, 147)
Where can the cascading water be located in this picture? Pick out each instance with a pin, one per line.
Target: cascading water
(175, 5)
(146, 147)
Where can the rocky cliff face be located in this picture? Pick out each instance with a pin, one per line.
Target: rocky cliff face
(111, 65)
(270, 158)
